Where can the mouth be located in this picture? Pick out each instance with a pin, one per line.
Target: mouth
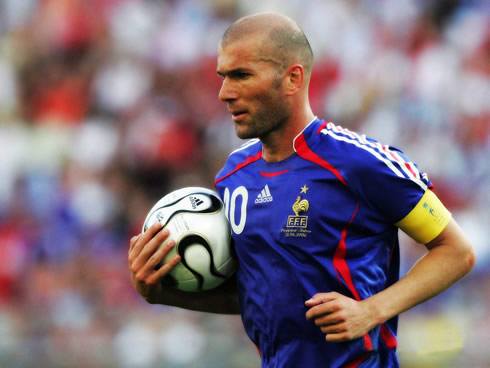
(238, 114)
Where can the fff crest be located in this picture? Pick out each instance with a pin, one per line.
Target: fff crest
(297, 221)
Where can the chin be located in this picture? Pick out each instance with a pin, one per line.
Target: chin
(244, 133)
(246, 136)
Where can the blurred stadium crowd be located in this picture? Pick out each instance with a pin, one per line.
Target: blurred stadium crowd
(106, 105)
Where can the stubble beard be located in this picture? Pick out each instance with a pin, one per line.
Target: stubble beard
(262, 126)
(270, 118)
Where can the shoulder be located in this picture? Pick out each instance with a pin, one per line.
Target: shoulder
(356, 154)
(379, 175)
(342, 152)
(246, 154)
(326, 138)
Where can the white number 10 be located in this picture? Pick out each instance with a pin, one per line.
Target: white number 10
(230, 208)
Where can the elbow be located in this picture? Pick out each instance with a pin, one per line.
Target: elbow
(468, 257)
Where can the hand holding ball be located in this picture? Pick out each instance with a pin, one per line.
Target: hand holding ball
(196, 220)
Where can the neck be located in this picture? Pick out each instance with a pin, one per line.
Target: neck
(278, 144)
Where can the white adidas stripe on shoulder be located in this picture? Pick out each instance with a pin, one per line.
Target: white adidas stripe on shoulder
(381, 152)
(246, 145)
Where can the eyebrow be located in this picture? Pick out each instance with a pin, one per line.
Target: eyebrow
(233, 71)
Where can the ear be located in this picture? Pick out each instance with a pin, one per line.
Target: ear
(295, 78)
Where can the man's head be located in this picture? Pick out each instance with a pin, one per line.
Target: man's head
(265, 61)
(283, 41)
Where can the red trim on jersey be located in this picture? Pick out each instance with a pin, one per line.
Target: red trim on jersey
(305, 152)
(407, 165)
(258, 349)
(339, 262)
(323, 125)
(355, 363)
(388, 338)
(397, 159)
(343, 272)
(272, 174)
(240, 165)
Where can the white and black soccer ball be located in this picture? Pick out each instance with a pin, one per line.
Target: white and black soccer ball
(196, 220)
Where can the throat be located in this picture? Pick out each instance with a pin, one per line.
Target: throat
(276, 155)
(278, 145)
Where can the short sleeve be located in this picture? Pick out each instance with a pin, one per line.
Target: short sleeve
(384, 178)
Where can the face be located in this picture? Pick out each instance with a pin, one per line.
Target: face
(252, 89)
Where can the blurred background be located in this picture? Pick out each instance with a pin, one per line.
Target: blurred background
(106, 105)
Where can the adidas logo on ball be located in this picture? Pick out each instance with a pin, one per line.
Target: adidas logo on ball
(195, 202)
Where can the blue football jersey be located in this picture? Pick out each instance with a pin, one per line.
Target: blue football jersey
(321, 220)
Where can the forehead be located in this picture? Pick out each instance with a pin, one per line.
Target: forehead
(238, 54)
(253, 52)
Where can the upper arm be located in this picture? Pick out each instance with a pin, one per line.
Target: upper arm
(430, 223)
(456, 246)
(426, 220)
(451, 235)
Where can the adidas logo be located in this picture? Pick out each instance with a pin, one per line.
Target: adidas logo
(195, 202)
(264, 196)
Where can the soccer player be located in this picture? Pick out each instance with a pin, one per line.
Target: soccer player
(315, 210)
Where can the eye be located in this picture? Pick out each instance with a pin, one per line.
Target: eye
(239, 75)
(243, 75)
(235, 75)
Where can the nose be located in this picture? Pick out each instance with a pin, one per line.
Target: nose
(227, 93)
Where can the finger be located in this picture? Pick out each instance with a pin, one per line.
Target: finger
(339, 337)
(148, 235)
(156, 258)
(330, 319)
(137, 242)
(333, 329)
(133, 241)
(150, 232)
(321, 310)
(153, 245)
(164, 270)
(312, 302)
(321, 298)
(142, 251)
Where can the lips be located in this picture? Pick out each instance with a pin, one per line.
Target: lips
(238, 114)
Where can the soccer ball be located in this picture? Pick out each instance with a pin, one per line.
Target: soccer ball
(195, 218)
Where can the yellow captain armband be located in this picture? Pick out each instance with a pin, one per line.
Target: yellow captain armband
(427, 219)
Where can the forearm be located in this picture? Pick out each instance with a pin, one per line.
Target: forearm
(450, 257)
(223, 300)
(148, 250)
(421, 283)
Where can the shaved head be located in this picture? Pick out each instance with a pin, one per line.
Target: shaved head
(280, 39)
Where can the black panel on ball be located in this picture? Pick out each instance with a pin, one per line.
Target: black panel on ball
(197, 239)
